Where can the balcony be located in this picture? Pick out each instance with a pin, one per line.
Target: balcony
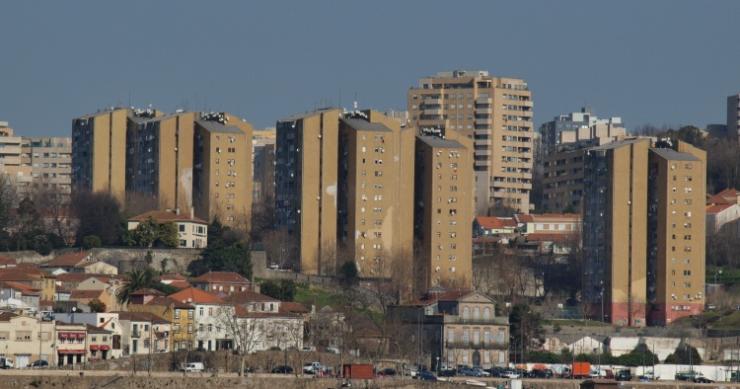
(432, 111)
(486, 121)
(487, 110)
(432, 101)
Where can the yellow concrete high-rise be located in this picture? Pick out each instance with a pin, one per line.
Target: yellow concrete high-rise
(189, 161)
(496, 113)
(443, 211)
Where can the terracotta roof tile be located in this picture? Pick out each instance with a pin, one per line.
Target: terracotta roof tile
(67, 260)
(292, 307)
(7, 260)
(146, 292)
(494, 222)
(196, 296)
(167, 301)
(77, 294)
(717, 208)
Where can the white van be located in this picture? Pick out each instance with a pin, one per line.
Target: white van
(192, 367)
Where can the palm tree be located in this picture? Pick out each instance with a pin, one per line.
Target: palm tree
(137, 279)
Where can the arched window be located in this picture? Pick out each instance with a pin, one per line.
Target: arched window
(466, 312)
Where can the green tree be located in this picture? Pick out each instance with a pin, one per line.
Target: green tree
(91, 241)
(142, 278)
(167, 236)
(639, 356)
(685, 354)
(97, 306)
(525, 330)
(99, 214)
(227, 251)
(283, 290)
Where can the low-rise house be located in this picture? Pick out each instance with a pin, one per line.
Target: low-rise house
(549, 223)
(72, 262)
(175, 280)
(108, 321)
(180, 315)
(99, 343)
(70, 343)
(143, 296)
(494, 226)
(85, 297)
(32, 276)
(222, 282)
(107, 284)
(7, 262)
(191, 231)
(723, 209)
(16, 296)
(25, 339)
(453, 328)
(212, 316)
(259, 325)
(144, 333)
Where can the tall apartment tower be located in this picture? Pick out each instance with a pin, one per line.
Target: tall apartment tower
(676, 228)
(50, 159)
(10, 156)
(190, 161)
(496, 113)
(375, 211)
(733, 116)
(615, 232)
(344, 190)
(159, 159)
(306, 178)
(263, 152)
(99, 150)
(222, 169)
(443, 211)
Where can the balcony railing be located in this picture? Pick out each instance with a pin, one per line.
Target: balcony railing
(494, 321)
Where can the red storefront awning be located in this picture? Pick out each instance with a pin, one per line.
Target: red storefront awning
(94, 347)
(104, 347)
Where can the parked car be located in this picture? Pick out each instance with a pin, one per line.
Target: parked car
(647, 377)
(510, 374)
(40, 364)
(448, 372)
(541, 373)
(426, 375)
(467, 371)
(6, 363)
(496, 371)
(313, 368)
(623, 375)
(387, 372)
(308, 348)
(332, 350)
(282, 369)
(192, 367)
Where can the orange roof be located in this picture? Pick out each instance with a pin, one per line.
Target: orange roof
(77, 294)
(79, 277)
(221, 276)
(167, 301)
(717, 208)
(7, 260)
(24, 288)
(172, 276)
(67, 260)
(727, 196)
(495, 222)
(20, 274)
(166, 217)
(197, 296)
(146, 292)
(291, 307)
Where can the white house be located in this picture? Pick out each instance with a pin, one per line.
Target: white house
(211, 319)
(191, 231)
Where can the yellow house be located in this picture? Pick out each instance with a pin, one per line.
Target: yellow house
(180, 314)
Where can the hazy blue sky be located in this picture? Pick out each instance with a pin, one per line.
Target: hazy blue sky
(657, 62)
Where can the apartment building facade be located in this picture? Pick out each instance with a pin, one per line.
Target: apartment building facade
(496, 113)
(10, 156)
(676, 228)
(50, 159)
(733, 116)
(184, 160)
(263, 151)
(343, 189)
(615, 232)
(443, 211)
(579, 126)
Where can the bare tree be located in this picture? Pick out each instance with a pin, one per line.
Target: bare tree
(280, 248)
(246, 331)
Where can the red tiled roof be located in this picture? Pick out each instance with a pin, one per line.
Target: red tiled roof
(166, 217)
(717, 208)
(172, 276)
(221, 276)
(197, 296)
(167, 301)
(23, 288)
(248, 297)
(146, 292)
(727, 196)
(67, 260)
(7, 260)
(85, 294)
(292, 307)
(20, 274)
(494, 222)
(180, 284)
